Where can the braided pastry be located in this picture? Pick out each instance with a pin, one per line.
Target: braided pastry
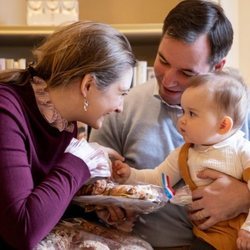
(107, 187)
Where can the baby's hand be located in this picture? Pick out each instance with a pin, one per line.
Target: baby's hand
(243, 241)
(120, 171)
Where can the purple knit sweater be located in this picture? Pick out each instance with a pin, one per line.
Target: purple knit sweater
(37, 179)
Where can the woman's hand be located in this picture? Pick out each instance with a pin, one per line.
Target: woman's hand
(94, 155)
(120, 218)
(111, 153)
(223, 199)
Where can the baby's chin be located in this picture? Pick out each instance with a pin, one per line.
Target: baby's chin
(186, 139)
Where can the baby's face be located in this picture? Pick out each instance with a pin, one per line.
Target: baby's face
(200, 122)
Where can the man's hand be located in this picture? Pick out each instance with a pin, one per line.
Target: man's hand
(243, 241)
(223, 199)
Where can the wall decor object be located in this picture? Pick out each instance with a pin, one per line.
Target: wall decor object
(51, 12)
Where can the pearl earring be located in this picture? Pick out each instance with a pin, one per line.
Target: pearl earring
(85, 104)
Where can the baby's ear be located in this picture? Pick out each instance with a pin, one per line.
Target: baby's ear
(226, 125)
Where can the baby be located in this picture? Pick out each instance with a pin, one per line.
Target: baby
(214, 109)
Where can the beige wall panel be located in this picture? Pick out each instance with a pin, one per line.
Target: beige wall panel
(12, 12)
(244, 39)
(125, 11)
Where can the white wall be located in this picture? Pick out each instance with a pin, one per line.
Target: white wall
(231, 8)
(238, 13)
(244, 38)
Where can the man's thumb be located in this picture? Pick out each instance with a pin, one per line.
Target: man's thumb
(209, 173)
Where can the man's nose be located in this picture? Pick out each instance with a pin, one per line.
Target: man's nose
(170, 76)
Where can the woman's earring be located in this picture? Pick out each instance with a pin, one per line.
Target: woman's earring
(85, 104)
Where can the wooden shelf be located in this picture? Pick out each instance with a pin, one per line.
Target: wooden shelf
(29, 35)
(18, 41)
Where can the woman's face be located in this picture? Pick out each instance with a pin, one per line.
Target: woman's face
(104, 102)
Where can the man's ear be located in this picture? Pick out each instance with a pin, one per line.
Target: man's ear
(226, 125)
(86, 83)
(220, 65)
